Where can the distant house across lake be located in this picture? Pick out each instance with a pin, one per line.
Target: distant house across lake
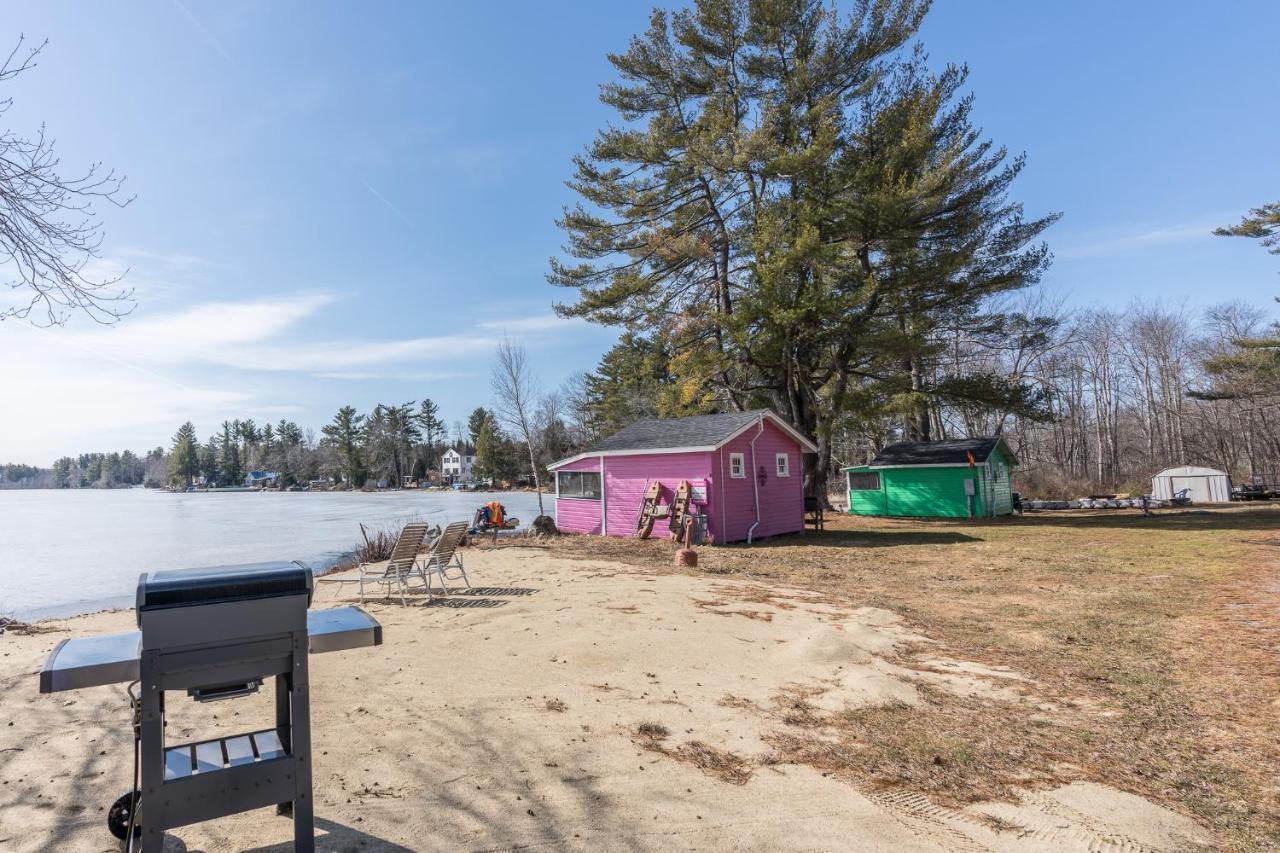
(455, 466)
(745, 470)
(261, 479)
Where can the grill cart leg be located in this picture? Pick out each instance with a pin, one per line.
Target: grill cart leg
(303, 826)
(152, 756)
(293, 715)
(283, 729)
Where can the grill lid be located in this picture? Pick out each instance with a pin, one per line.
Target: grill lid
(219, 584)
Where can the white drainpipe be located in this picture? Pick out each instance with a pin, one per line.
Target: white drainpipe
(604, 509)
(755, 481)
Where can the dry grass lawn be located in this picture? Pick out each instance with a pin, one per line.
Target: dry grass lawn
(1154, 644)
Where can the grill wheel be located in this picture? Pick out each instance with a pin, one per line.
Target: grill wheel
(118, 815)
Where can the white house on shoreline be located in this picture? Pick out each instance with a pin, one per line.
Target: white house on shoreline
(456, 467)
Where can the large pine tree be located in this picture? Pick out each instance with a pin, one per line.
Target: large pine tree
(794, 209)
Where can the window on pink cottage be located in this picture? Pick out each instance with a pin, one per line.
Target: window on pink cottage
(784, 464)
(737, 466)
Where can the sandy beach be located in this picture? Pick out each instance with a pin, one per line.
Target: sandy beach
(562, 705)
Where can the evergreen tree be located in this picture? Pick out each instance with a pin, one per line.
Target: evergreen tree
(1262, 223)
(390, 434)
(184, 456)
(62, 472)
(230, 472)
(1249, 371)
(288, 438)
(269, 460)
(344, 433)
(210, 452)
(475, 423)
(792, 208)
(432, 428)
(249, 443)
(495, 454)
(633, 381)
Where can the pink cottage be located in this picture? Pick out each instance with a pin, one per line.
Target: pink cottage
(745, 470)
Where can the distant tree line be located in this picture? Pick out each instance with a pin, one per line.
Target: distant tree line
(103, 470)
(386, 446)
(15, 475)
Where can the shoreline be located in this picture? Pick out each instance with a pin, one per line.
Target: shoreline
(97, 543)
(112, 604)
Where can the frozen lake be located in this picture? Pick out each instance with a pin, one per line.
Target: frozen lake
(73, 551)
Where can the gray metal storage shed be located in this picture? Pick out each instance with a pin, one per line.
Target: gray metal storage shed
(1203, 485)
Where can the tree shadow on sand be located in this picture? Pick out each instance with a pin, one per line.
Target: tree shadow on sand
(332, 836)
(500, 790)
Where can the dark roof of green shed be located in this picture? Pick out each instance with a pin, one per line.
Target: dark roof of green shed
(954, 452)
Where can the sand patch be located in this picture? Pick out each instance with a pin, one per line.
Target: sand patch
(512, 719)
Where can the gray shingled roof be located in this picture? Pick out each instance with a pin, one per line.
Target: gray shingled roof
(935, 452)
(693, 431)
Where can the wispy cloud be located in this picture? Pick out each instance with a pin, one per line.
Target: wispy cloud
(401, 376)
(1120, 241)
(387, 202)
(80, 388)
(536, 323)
(209, 36)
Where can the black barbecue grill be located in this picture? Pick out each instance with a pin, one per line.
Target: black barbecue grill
(215, 634)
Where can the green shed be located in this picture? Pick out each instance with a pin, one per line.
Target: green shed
(966, 478)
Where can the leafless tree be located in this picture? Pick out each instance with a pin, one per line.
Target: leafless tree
(1128, 395)
(576, 397)
(49, 231)
(516, 392)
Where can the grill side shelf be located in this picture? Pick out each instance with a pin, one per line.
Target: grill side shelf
(91, 662)
(341, 628)
(113, 658)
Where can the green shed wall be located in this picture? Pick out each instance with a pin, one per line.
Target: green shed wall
(865, 501)
(937, 492)
(1001, 472)
(929, 492)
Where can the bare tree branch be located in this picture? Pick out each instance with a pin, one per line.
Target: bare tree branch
(49, 232)
(517, 398)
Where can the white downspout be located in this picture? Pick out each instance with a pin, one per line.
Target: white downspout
(604, 512)
(755, 481)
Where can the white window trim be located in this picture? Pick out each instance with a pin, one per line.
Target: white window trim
(567, 497)
(741, 460)
(782, 463)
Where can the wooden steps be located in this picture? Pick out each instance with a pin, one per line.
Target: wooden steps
(648, 510)
(680, 509)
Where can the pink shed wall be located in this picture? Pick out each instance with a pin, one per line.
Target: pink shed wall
(626, 478)
(730, 503)
(781, 498)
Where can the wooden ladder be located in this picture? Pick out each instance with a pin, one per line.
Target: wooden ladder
(680, 508)
(648, 509)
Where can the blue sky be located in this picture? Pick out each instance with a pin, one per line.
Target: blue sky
(350, 204)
